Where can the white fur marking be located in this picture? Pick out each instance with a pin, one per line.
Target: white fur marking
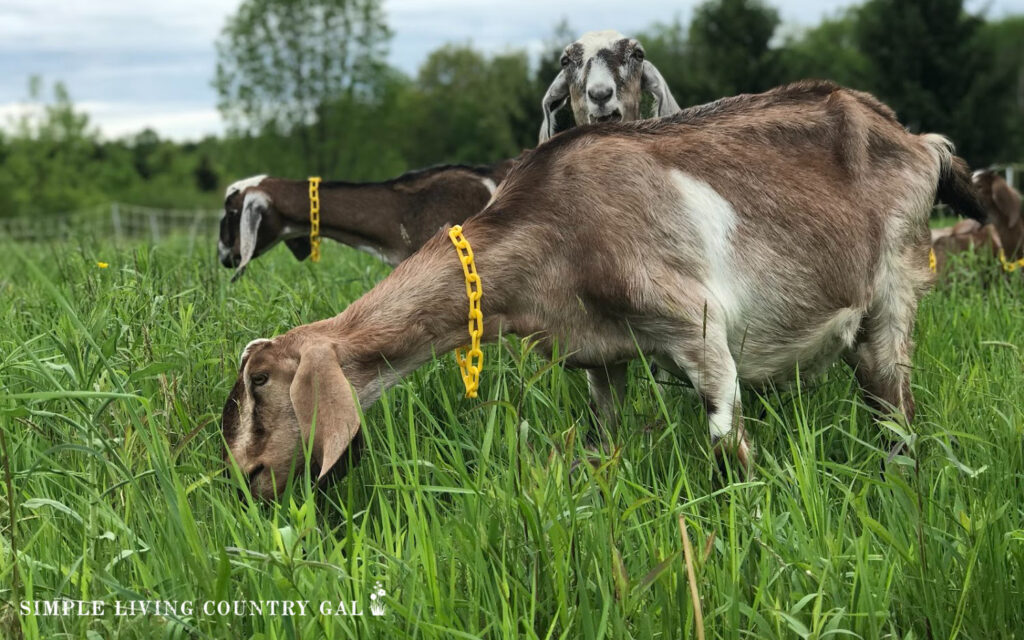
(242, 185)
(594, 41)
(714, 220)
(248, 347)
(487, 182)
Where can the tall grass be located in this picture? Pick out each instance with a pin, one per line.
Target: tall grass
(473, 514)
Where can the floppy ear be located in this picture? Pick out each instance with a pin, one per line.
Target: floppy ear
(1007, 201)
(253, 208)
(664, 103)
(554, 100)
(301, 248)
(320, 392)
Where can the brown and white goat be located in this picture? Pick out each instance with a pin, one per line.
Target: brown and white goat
(604, 75)
(390, 219)
(734, 241)
(1004, 233)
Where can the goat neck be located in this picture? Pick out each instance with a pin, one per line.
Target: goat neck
(419, 310)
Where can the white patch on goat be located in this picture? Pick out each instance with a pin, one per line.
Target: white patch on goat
(714, 220)
(405, 235)
(594, 41)
(293, 231)
(491, 187)
(600, 77)
(243, 184)
(248, 348)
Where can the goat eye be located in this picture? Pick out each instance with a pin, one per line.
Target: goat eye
(259, 379)
(638, 54)
(565, 61)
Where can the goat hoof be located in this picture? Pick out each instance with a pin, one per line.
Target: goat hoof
(737, 446)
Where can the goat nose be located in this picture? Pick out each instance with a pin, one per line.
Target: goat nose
(601, 94)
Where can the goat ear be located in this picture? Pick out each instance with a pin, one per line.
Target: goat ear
(253, 209)
(301, 248)
(1007, 201)
(320, 394)
(653, 82)
(554, 99)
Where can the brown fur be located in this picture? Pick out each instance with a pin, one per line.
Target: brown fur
(1004, 231)
(391, 219)
(597, 240)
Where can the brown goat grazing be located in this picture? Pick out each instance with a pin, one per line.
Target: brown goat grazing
(1002, 236)
(734, 241)
(390, 219)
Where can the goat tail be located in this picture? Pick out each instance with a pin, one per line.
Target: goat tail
(956, 188)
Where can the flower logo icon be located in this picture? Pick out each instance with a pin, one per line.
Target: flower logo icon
(377, 607)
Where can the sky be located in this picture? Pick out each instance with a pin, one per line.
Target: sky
(133, 64)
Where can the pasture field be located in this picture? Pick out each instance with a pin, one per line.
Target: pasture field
(470, 513)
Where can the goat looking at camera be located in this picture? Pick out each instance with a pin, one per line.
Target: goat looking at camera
(604, 75)
(718, 271)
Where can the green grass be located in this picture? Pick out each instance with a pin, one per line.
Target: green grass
(468, 511)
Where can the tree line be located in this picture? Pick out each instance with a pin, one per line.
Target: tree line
(304, 88)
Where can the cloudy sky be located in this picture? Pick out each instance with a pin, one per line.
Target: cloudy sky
(134, 64)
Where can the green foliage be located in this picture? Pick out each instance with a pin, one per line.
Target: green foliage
(730, 48)
(930, 63)
(828, 51)
(482, 518)
(294, 68)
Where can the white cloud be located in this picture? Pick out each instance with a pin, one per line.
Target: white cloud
(153, 61)
(119, 119)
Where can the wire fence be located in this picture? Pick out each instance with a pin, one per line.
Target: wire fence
(116, 220)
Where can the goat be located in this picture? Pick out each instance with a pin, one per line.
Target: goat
(603, 75)
(389, 219)
(735, 241)
(1002, 236)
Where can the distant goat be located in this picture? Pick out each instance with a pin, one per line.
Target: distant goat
(603, 75)
(389, 219)
(1004, 233)
(738, 240)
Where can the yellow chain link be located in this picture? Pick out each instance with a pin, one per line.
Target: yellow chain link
(1010, 266)
(314, 218)
(471, 363)
(932, 262)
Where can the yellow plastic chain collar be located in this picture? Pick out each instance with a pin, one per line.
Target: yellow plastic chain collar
(1010, 266)
(932, 262)
(314, 218)
(471, 363)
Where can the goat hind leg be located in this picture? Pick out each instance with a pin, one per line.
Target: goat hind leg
(881, 357)
(607, 393)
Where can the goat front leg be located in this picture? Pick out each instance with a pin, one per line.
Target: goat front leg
(607, 393)
(703, 355)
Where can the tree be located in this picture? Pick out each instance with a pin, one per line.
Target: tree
(828, 51)
(730, 48)
(928, 62)
(471, 108)
(284, 67)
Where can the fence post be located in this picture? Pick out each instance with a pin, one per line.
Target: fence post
(115, 218)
